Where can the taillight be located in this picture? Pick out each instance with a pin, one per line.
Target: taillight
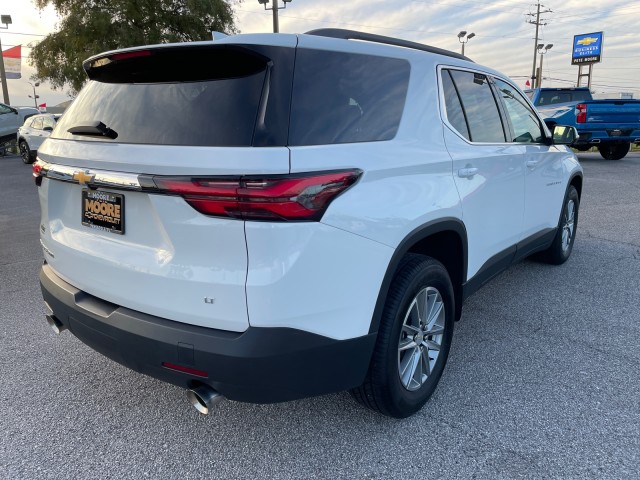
(581, 113)
(36, 169)
(302, 197)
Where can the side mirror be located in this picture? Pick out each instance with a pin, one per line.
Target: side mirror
(564, 135)
(14, 110)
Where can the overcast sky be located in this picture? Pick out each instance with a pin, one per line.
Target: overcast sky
(504, 40)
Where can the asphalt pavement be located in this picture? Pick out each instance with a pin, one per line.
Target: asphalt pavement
(542, 382)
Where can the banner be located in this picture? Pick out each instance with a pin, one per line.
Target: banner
(12, 59)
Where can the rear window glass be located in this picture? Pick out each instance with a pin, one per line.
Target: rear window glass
(345, 97)
(551, 97)
(195, 96)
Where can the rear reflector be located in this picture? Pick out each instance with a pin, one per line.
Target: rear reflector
(183, 369)
(301, 197)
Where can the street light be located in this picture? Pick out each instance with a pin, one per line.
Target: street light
(6, 20)
(462, 40)
(542, 49)
(35, 97)
(275, 7)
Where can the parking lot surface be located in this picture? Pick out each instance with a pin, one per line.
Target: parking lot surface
(543, 378)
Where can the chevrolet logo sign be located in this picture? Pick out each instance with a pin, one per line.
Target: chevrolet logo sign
(83, 177)
(587, 41)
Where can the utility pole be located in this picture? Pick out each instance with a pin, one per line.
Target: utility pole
(537, 23)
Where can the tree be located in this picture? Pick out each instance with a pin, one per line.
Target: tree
(89, 27)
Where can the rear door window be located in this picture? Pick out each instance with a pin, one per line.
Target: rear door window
(480, 107)
(345, 97)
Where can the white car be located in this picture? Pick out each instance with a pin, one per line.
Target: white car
(33, 132)
(11, 118)
(308, 218)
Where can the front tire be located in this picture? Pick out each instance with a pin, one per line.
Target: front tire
(25, 152)
(614, 150)
(560, 250)
(413, 341)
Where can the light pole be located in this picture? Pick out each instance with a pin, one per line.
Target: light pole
(275, 7)
(542, 49)
(462, 40)
(35, 97)
(6, 19)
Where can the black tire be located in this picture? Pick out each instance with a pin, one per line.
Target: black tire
(384, 391)
(559, 251)
(25, 152)
(614, 150)
(582, 148)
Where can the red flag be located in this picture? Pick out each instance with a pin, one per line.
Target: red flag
(42, 105)
(528, 84)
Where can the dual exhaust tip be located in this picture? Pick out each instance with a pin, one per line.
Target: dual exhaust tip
(202, 397)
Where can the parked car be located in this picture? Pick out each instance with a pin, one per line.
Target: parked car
(309, 218)
(11, 118)
(33, 132)
(611, 125)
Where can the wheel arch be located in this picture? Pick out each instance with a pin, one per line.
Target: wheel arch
(576, 181)
(444, 240)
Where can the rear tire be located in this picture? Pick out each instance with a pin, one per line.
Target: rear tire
(413, 340)
(25, 152)
(560, 250)
(614, 150)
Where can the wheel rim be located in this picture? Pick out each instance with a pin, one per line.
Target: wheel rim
(24, 151)
(569, 225)
(421, 338)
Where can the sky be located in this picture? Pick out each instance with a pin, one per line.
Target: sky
(503, 38)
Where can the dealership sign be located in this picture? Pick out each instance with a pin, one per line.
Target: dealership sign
(587, 48)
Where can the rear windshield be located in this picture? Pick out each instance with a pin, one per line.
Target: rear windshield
(185, 96)
(345, 97)
(551, 97)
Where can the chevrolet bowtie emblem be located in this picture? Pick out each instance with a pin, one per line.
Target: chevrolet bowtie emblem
(587, 41)
(83, 177)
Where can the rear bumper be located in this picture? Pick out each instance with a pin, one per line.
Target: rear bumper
(604, 135)
(260, 365)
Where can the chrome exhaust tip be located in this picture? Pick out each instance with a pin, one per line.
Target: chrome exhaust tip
(56, 325)
(204, 398)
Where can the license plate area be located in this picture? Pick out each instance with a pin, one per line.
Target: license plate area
(103, 211)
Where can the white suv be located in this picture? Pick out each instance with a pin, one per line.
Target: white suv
(270, 217)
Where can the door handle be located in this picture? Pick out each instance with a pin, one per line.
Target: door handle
(467, 172)
(532, 163)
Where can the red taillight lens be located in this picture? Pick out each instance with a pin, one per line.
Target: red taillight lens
(581, 113)
(278, 197)
(36, 169)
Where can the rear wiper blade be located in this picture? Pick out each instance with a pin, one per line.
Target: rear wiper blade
(94, 128)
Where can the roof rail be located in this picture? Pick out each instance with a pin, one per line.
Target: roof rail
(370, 37)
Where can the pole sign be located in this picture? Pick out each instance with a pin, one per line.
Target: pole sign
(587, 48)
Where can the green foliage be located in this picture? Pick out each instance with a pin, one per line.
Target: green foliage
(89, 27)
